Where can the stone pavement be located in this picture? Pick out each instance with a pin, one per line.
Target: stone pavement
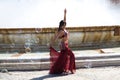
(101, 73)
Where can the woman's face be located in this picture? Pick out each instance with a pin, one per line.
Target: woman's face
(63, 27)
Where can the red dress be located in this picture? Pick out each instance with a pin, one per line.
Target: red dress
(62, 61)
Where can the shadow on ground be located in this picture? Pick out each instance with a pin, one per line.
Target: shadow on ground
(48, 76)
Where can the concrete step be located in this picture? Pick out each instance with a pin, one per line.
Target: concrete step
(88, 63)
(99, 56)
(46, 58)
(42, 62)
(98, 62)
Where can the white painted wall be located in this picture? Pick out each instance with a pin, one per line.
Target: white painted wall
(48, 13)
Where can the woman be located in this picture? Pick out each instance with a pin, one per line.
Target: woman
(62, 62)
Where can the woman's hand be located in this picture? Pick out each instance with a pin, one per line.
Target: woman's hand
(50, 44)
(65, 11)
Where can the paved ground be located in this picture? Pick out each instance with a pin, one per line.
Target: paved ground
(101, 73)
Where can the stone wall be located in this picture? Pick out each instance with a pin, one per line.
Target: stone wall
(37, 39)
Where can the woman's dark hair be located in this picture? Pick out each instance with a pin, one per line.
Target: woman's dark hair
(62, 23)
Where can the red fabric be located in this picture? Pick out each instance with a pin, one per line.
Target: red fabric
(61, 61)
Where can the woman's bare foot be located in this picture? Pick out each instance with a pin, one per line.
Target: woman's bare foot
(66, 72)
(72, 71)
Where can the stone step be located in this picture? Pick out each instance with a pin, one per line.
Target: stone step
(98, 56)
(46, 58)
(98, 63)
(88, 63)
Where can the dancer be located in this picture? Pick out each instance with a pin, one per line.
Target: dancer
(62, 62)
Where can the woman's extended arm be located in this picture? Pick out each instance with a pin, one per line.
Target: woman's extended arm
(65, 11)
(56, 37)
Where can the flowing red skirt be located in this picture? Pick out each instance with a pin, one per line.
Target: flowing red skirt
(61, 61)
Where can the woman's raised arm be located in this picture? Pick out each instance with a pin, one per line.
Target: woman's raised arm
(65, 11)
